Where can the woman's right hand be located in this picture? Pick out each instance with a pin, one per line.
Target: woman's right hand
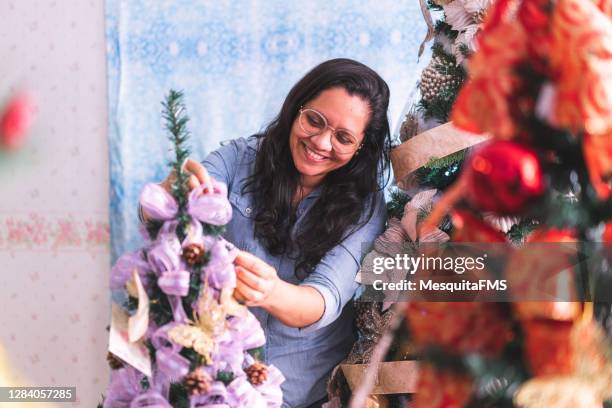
(198, 176)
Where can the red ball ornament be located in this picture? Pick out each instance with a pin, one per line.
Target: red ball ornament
(503, 177)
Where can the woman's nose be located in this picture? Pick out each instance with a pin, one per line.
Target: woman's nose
(323, 141)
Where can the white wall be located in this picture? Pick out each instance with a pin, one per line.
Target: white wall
(54, 241)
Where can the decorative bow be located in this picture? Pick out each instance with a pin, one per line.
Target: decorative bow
(212, 208)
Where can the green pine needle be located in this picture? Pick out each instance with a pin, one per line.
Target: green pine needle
(433, 6)
(446, 161)
(225, 377)
(178, 396)
(175, 115)
(519, 232)
(257, 353)
(443, 28)
(395, 206)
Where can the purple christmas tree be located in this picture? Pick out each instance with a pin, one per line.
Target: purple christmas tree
(178, 337)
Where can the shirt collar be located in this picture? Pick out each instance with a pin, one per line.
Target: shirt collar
(315, 193)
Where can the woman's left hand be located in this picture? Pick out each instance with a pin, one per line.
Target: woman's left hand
(256, 280)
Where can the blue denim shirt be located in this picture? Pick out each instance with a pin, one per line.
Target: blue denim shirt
(306, 355)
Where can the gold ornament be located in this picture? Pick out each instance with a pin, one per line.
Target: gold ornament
(208, 323)
(436, 78)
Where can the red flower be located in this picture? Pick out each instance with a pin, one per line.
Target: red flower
(485, 103)
(534, 15)
(581, 57)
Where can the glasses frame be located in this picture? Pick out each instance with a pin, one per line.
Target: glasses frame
(303, 109)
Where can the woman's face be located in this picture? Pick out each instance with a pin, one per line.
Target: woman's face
(315, 156)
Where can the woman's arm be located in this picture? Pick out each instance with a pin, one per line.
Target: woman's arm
(259, 285)
(320, 298)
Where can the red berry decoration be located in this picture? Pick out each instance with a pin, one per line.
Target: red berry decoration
(503, 177)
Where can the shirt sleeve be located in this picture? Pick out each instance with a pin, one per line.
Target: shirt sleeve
(221, 163)
(334, 276)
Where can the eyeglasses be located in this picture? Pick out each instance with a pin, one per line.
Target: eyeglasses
(313, 123)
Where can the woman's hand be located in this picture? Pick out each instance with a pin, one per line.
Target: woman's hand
(256, 280)
(259, 285)
(199, 175)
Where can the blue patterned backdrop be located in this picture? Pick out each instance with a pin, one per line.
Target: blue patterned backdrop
(235, 61)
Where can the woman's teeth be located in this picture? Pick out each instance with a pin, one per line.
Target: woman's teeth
(312, 155)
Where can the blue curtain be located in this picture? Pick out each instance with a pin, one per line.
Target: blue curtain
(235, 62)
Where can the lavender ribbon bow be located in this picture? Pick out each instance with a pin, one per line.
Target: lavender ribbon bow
(164, 257)
(121, 272)
(248, 331)
(271, 390)
(211, 208)
(165, 254)
(242, 394)
(216, 397)
(150, 399)
(174, 282)
(124, 387)
(220, 270)
(169, 361)
(238, 394)
(230, 353)
(157, 202)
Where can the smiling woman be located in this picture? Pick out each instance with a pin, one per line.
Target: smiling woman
(308, 201)
(315, 152)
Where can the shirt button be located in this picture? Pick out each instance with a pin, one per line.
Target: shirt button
(248, 210)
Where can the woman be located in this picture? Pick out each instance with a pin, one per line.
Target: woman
(307, 198)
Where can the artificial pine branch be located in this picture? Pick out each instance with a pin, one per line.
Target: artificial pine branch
(433, 6)
(438, 163)
(442, 27)
(176, 118)
(438, 177)
(178, 395)
(395, 206)
(520, 231)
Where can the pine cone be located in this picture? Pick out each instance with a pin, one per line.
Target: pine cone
(479, 16)
(193, 254)
(197, 382)
(436, 78)
(257, 373)
(410, 126)
(114, 362)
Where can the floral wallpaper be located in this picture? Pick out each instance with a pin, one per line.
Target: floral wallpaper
(54, 229)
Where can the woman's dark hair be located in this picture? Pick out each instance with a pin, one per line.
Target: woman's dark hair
(345, 192)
